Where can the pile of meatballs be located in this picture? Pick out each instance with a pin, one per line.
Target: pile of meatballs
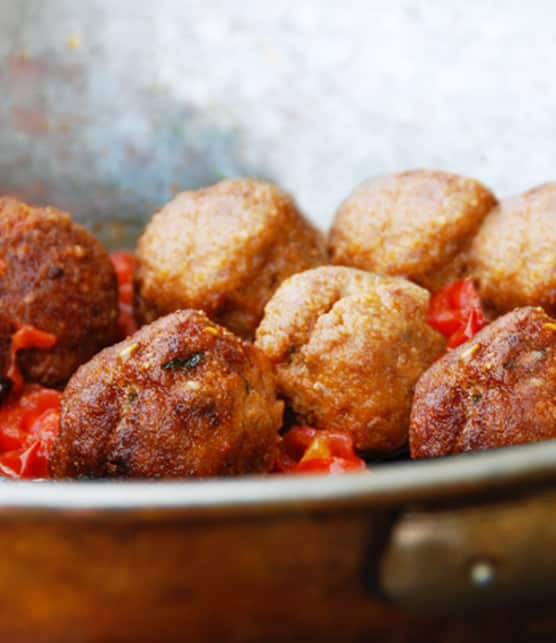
(248, 315)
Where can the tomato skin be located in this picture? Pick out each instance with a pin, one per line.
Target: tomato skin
(330, 465)
(456, 312)
(29, 423)
(29, 415)
(123, 262)
(464, 333)
(297, 440)
(26, 336)
(305, 449)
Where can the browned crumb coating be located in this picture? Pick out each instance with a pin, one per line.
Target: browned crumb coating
(182, 397)
(223, 249)
(57, 277)
(416, 224)
(348, 347)
(496, 390)
(513, 258)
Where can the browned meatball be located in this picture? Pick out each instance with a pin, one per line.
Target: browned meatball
(348, 347)
(513, 258)
(417, 225)
(182, 397)
(57, 277)
(496, 390)
(224, 250)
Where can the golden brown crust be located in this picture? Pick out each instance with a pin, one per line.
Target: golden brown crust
(496, 390)
(513, 257)
(57, 277)
(348, 347)
(223, 249)
(182, 397)
(416, 224)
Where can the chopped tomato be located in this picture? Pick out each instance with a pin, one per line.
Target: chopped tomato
(29, 413)
(329, 465)
(29, 423)
(25, 337)
(305, 449)
(456, 311)
(123, 262)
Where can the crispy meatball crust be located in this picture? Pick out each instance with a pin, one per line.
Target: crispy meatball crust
(182, 397)
(513, 257)
(223, 249)
(57, 277)
(348, 347)
(417, 225)
(496, 390)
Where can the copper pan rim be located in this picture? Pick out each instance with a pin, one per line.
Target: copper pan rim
(387, 484)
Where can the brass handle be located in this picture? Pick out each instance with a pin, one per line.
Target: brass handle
(473, 557)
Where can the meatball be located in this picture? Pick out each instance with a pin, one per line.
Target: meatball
(181, 397)
(417, 225)
(224, 249)
(57, 277)
(496, 390)
(513, 257)
(348, 347)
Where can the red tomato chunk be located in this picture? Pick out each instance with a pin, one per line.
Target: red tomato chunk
(29, 422)
(30, 416)
(456, 311)
(26, 337)
(123, 262)
(305, 449)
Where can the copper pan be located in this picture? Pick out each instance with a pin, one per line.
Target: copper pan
(102, 114)
(460, 549)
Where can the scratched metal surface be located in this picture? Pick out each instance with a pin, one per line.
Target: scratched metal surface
(108, 107)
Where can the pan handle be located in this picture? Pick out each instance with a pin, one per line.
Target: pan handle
(473, 557)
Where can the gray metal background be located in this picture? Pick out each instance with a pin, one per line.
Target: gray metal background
(108, 106)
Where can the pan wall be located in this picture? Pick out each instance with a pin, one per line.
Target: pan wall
(109, 107)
